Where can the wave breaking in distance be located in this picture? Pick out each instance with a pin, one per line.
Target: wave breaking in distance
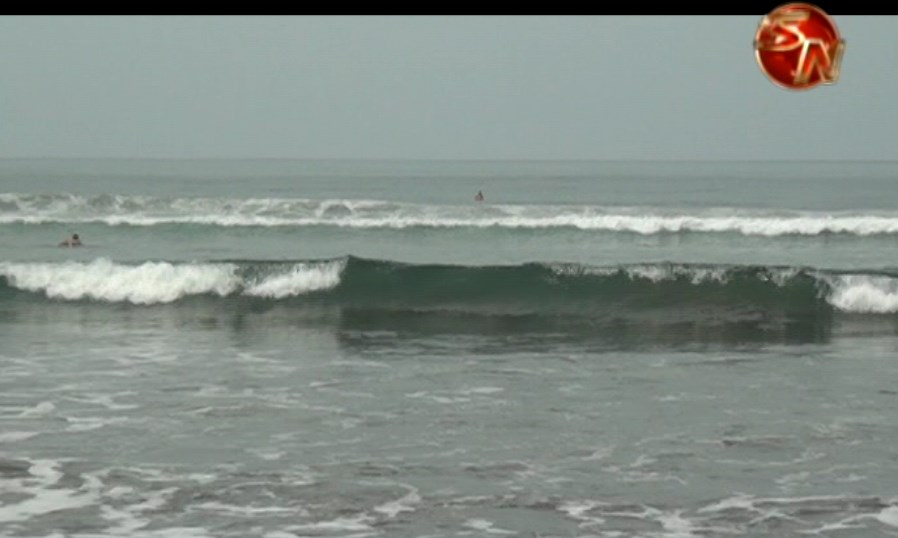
(542, 289)
(118, 210)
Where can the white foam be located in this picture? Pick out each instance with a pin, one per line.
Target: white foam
(864, 294)
(41, 409)
(658, 273)
(737, 502)
(481, 390)
(303, 278)
(117, 210)
(163, 282)
(103, 280)
(246, 511)
(889, 516)
(394, 508)
(676, 525)
(579, 509)
(86, 424)
(14, 437)
(267, 454)
(853, 293)
(652, 272)
(130, 519)
(46, 499)
(437, 398)
(486, 526)
(847, 524)
(357, 523)
(599, 453)
(119, 492)
(46, 470)
(106, 400)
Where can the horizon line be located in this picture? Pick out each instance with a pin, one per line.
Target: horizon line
(459, 160)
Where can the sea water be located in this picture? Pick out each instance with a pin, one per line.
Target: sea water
(359, 348)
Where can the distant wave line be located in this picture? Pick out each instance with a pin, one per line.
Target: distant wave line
(120, 210)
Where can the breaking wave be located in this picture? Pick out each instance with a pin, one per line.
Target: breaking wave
(536, 288)
(119, 210)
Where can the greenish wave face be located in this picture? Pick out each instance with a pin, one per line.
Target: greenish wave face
(666, 291)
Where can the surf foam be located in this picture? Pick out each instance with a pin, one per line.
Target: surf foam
(303, 278)
(103, 280)
(115, 210)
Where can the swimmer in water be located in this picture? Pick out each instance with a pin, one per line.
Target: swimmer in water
(479, 197)
(73, 241)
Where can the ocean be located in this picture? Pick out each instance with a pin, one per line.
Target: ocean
(281, 349)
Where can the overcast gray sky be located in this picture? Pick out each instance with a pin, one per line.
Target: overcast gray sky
(604, 87)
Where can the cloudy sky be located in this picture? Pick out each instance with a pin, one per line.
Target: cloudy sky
(602, 87)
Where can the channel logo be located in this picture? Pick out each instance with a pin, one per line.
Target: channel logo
(798, 46)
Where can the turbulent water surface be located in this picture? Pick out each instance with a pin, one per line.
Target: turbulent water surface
(349, 348)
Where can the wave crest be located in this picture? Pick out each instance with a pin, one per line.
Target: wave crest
(540, 289)
(116, 210)
(160, 282)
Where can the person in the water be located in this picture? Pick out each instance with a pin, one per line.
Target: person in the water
(73, 241)
(479, 196)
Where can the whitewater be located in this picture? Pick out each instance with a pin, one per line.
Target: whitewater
(150, 283)
(118, 210)
(284, 349)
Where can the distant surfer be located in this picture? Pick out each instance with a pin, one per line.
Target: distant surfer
(479, 197)
(73, 241)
